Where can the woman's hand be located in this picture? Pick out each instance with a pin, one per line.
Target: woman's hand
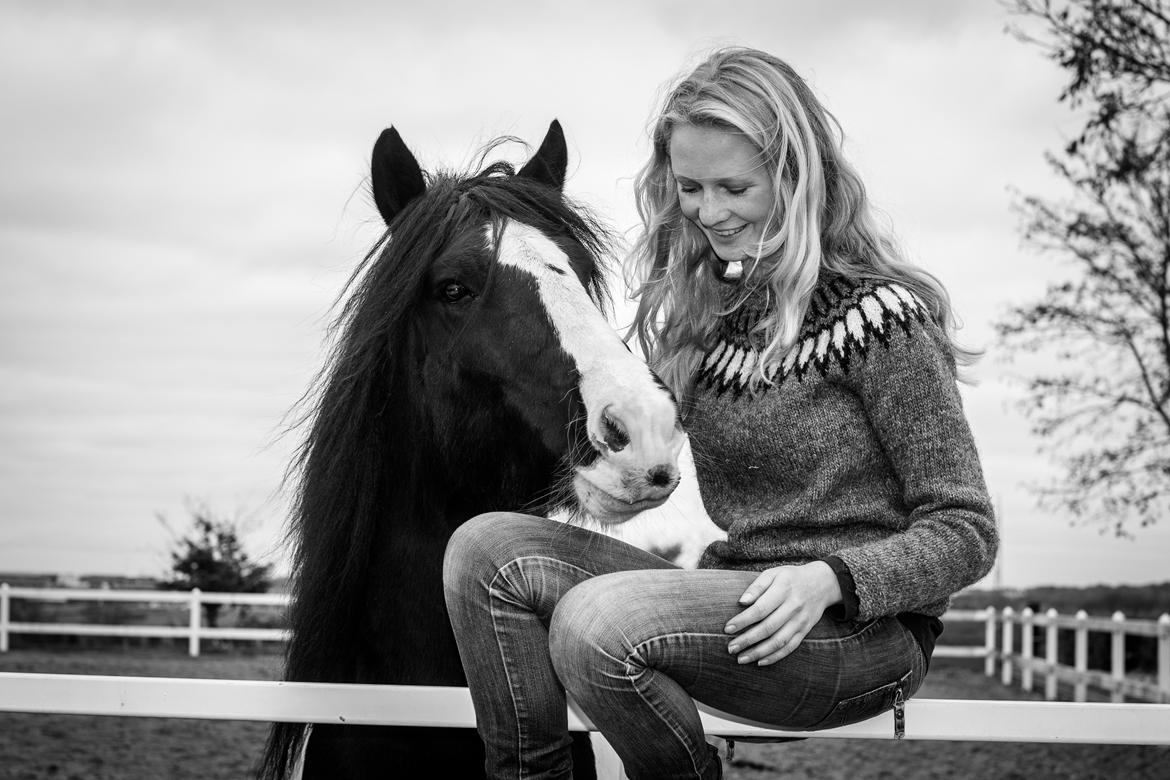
(783, 604)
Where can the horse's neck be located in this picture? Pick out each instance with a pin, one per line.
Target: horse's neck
(407, 639)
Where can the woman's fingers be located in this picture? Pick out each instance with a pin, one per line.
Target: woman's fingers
(763, 597)
(779, 616)
(758, 586)
(784, 649)
(772, 625)
(772, 646)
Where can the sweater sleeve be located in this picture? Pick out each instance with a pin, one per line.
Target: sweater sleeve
(906, 383)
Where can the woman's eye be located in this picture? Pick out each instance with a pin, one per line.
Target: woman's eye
(452, 292)
(737, 190)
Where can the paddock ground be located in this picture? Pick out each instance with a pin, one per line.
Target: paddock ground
(80, 747)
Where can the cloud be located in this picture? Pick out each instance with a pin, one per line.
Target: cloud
(184, 196)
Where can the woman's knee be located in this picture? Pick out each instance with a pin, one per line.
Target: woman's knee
(587, 629)
(464, 554)
(484, 543)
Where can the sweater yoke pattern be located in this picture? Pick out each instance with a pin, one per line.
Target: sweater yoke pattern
(843, 319)
(858, 448)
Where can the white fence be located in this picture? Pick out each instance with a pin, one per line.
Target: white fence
(933, 719)
(999, 645)
(194, 631)
(1006, 721)
(1117, 681)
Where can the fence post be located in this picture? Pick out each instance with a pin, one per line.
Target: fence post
(1005, 671)
(1117, 656)
(3, 617)
(1026, 648)
(196, 620)
(1081, 661)
(1050, 655)
(1164, 656)
(989, 644)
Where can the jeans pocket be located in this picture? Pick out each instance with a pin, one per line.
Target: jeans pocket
(866, 705)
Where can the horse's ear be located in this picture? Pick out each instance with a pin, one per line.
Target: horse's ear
(551, 159)
(395, 176)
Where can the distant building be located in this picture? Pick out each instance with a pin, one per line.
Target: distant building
(26, 580)
(117, 582)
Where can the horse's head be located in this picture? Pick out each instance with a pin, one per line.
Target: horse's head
(504, 294)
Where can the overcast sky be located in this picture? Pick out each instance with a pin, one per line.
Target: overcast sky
(183, 195)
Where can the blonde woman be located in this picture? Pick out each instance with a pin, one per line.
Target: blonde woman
(817, 374)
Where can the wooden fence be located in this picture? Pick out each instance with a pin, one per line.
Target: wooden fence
(1118, 681)
(1011, 638)
(932, 719)
(194, 631)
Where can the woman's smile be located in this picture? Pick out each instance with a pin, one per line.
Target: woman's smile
(727, 233)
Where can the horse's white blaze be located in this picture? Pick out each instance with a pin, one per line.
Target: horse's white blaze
(613, 380)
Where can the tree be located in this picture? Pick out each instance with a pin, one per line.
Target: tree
(211, 558)
(1103, 409)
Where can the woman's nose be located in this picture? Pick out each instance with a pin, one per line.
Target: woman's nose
(712, 211)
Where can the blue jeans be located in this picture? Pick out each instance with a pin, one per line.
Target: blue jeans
(540, 608)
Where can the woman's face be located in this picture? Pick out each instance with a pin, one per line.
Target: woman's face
(723, 187)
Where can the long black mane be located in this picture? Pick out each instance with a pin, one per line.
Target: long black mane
(370, 453)
(375, 489)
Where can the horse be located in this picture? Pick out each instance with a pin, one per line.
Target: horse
(473, 369)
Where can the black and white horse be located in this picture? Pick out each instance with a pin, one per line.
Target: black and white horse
(473, 370)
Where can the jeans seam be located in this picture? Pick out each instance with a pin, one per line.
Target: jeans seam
(635, 650)
(859, 631)
(492, 590)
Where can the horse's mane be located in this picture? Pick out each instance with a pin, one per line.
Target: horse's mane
(368, 468)
(365, 459)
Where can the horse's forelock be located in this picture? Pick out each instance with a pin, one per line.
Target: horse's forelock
(546, 210)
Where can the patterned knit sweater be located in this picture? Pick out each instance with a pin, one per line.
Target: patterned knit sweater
(859, 449)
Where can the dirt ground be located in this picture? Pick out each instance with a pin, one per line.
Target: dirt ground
(78, 747)
(83, 747)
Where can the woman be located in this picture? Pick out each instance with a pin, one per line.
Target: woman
(817, 375)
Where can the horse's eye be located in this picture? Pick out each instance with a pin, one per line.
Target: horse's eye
(452, 291)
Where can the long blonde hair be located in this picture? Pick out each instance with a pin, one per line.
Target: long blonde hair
(823, 220)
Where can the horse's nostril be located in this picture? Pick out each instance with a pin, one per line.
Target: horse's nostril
(660, 476)
(616, 437)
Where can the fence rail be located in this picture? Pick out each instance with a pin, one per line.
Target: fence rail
(930, 719)
(1117, 680)
(404, 705)
(999, 648)
(195, 632)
